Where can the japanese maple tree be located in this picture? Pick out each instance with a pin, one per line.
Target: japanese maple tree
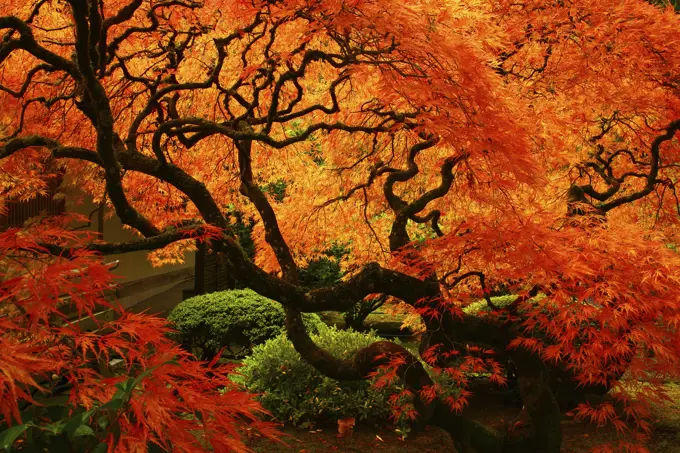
(456, 148)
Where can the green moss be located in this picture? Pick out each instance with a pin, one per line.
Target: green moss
(666, 422)
(498, 301)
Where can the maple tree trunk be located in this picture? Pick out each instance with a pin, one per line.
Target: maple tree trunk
(539, 402)
(541, 413)
(568, 393)
(540, 431)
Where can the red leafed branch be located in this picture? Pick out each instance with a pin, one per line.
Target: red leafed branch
(174, 400)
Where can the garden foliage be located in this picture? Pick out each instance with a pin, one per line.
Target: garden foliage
(122, 387)
(233, 320)
(294, 392)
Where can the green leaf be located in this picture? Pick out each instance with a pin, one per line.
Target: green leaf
(103, 422)
(29, 413)
(55, 428)
(57, 412)
(115, 404)
(59, 400)
(115, 430)
(8, 436)
(101, 447)
(126, 386)
(74, 424)
(83, 430)
(130, 384)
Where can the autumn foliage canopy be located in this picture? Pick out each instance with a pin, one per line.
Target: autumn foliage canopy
(458, 149)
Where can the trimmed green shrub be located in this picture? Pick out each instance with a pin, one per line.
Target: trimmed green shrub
(296, 393)
(235, 320)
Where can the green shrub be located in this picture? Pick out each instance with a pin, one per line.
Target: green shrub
(321, 272)
(236, 320)
(295, 392)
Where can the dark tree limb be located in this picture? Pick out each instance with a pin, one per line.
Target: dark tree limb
(116, 248)
(482, 283)
(58, 151)
(405, 211)
(95, 96)
(651, 177)
(28, 43)
(273, 234)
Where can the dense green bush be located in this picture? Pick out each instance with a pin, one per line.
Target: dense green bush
(236, 320)
(321, 272)
(294, 392)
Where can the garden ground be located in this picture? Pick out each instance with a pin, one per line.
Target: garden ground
(578, 436)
